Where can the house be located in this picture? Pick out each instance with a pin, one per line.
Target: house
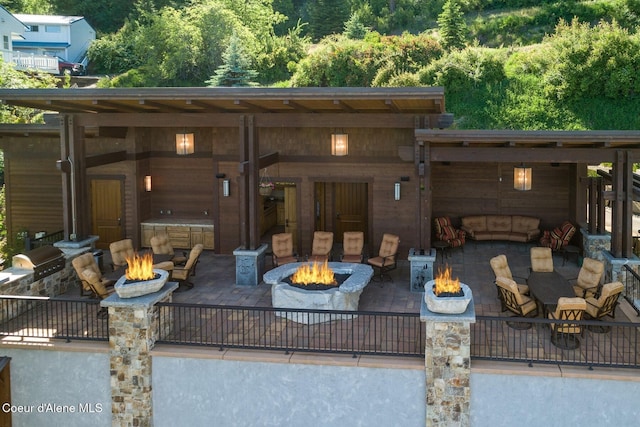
(10, 28)
(68, 37)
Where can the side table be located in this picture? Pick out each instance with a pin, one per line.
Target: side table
(570, 250)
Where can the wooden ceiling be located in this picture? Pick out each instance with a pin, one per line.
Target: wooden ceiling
(419, 100)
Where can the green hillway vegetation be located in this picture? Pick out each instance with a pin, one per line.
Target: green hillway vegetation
(505, 64)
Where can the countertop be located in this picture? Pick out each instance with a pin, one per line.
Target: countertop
(201, 222)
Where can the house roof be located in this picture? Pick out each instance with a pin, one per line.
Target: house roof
(420, 100)
(47, 19)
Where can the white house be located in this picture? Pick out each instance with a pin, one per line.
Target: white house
(10, 28)
(68, 37)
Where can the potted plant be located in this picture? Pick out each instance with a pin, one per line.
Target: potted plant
(265, 188)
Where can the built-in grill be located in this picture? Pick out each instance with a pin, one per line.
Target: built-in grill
(44, 261)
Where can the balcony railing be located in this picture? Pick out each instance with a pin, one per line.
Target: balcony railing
(44, 317)
(632, 288)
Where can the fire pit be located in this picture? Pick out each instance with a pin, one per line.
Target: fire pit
(140, 277)
(446, 295)
(340, 296)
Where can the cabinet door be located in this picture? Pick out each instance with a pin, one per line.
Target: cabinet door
(147, 234)
(207, 237)
(180, 237)
(196, 236)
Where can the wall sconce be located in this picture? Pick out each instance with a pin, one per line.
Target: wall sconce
(184, 143)
(396, 191)
(226, 188)
(522, 178)
(339, 144)
(147, 183)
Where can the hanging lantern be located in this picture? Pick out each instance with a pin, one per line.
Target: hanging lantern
(522, 178)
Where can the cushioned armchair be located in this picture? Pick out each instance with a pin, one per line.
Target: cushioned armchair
(541, 259)
(605, 304)
(91, 277)
(352, 245)
(321, 247)
(588, 280)
(386, 259)
(447, 233)
(160, 244)
(564, 335)
(514, 301)
(123, 249)
(282, 249)
(500, 268)
(559, 237)
(182, 273)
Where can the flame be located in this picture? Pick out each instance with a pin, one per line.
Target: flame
(314, 273)
(444, 282)
(140, 267)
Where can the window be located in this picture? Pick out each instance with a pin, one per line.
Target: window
(5, 42)
(33, 28)
(52, 28)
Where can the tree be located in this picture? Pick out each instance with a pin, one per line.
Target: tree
(452, 26)
(235, 71)
(354, 28)
(327, 17)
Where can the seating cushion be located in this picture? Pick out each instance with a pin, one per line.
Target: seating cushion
(515, 228)
(497, 223)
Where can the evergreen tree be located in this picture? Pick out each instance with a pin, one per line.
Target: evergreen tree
(354, 28)
(234, 70)
(326, 17)
(452, 26)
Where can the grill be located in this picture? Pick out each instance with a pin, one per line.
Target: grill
(44, 261)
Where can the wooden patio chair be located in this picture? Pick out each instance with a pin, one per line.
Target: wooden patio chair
(565, 335)
(182, 273)
(321, 247)
(604, 305)
(352, 245)
(160, 244)
(500, 268)
(541, 259)
(519, 304)
(282, 249)
(588, 280)
(386, 259)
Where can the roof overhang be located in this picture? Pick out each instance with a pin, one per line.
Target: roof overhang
(417, 101)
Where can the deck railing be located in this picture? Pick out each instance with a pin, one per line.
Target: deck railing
(612, 344)
(44, 317)
(632, 288)
(357, 333)
(48, 239)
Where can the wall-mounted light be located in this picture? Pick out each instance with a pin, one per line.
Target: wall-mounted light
(522, 178)
(147, 183)
(226, 188)
(184, 143)
(339, 144)
(396, 191)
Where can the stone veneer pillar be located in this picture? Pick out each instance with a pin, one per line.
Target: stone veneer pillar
(594, 245)
(448, 366)
(421, 268)
(249, 265)
(133, 330)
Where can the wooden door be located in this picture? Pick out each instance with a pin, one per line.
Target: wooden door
(106, 211)
(350, 207)
(291, 213)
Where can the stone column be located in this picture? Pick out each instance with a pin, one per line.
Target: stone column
(249, 265)
(133, 330)
(595, 244)
(448, 366)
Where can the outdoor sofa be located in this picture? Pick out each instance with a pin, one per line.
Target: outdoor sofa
(515, 228)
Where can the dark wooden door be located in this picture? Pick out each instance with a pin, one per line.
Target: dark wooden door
(350, 207)
(106, 211)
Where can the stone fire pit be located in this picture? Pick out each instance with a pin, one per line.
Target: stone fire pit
(343, 297)
(446, 305)
(143, 287)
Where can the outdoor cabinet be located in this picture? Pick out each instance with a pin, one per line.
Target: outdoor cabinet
(182, 236)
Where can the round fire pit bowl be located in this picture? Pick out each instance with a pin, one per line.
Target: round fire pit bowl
(446, 305)
(142, 287)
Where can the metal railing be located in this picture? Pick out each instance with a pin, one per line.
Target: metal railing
(48, 239)
(266, 328)
(60, 318)
(612, 344)
(632, 288)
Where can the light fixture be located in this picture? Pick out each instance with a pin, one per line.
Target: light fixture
(522, 178)
(184, 143)
(396, 191)
(339, 144)
(147, 183)
(226, 188)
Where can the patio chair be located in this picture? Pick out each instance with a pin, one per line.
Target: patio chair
(541, 259)
(500, 268)
(352, 245)
(321, 247)
(559, 237)
(517, 303)
(588, 280)
(123, 249)
(445, 232)
(160, 244)
(91, 277)
(182, 273)
(386, 259)
(565, 335)
(282, 249)
(605, 304)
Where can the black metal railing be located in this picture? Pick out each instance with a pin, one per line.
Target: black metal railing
(44, 317)
(266, 328)
(48, 239)
(613, 344)
(632, 288)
